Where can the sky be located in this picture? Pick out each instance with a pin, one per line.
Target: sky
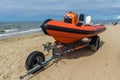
(39, 10)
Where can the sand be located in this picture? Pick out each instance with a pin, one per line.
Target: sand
(82, 65)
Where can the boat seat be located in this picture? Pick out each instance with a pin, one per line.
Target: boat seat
(81, 20)
(81, 17)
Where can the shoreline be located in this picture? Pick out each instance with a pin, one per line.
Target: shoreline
(18, 34)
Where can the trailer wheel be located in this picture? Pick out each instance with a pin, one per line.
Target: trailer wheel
(34, 59)
(95, 43)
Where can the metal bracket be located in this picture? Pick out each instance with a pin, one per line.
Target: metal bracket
(47, 46)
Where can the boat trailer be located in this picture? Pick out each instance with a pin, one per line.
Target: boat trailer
(36, 60)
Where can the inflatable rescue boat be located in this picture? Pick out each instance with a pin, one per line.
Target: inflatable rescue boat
(71, 29)
(69, 36)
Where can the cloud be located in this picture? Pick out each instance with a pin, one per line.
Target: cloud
(34, 5)
(33, 8)
(56, 4)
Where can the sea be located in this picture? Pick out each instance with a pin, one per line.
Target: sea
(12, 29)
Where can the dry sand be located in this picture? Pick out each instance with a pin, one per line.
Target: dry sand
(82, 65)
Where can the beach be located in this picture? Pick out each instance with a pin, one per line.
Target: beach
(82, 65)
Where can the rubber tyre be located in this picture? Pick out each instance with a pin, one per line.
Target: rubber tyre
(35, 58)
(95, 43)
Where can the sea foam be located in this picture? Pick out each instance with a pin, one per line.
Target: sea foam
(19, 33)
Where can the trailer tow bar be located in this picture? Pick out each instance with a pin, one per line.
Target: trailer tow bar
(30, 71)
